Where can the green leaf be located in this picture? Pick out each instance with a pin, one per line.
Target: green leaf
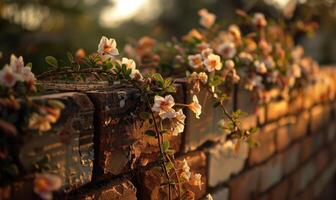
(158, 78)
(30, 65)
(167, 82)
(70, 57)
(165, 145)
(51, 61)
(171, 89)
(169, 166)
(254, 130)
(150, 133)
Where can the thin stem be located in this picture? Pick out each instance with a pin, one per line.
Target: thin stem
(164, 157)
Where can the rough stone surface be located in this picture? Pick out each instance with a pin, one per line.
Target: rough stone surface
(244, 186)
(221, 194)
(226, 160)
(68, 145)
(270, 173)
(265, 137)
(116, 190)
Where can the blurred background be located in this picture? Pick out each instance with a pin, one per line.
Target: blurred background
(37, 28)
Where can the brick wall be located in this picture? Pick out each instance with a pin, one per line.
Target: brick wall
(91, 146)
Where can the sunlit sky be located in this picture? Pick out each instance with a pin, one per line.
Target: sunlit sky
(122, 10)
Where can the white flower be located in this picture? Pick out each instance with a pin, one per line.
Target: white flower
(45, 184)
(17, 64)
(229, 64)
(195, 107)
(235, 32)
(209, 197)
(213, 62)
(203, 77)
(186, 174)
(245, 57)
(227, 50)
(196, 180)
(7, 77)
(195, 61)
(260, 67)
(164, 106)
(207, 19)
(178, 122)
(130, 64)
(107, 48)
(259, 20)
(28, 75)
(269, 62)
(206, 52)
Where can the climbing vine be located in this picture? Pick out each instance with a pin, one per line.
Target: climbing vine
(214, 58)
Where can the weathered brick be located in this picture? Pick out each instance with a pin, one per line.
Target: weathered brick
(331, 132)
(152, 179)
(306, 148)
(299, 126)
(322, 181)
(307, 173)
(270, 173)
(247, 102)
(291, 158)
(121, 134)
(266, 138)
(68, 146)
(115, 190)
(320, 115)
(280, 191)
(282, 137)
(224, 161)
(321, 160)
(244, 186)
(198, 131)
(296, 102)
(275, 110)
(222, 193)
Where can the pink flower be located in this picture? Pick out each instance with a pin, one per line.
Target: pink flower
(164, 106)
(178, 122)
(107, 48)
(259, 20)
(207, 19)
(213, 62)
(45, 184)
(7, 76)
(206, 52)
(195, 107)
(260, 67)
(195, 61)
(17, 64)
(227, 50)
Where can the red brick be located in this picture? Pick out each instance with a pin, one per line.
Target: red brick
(152, 179)
(291, 158)
(299, 126)
(306, 148)
(244, 186)
(267, 145)
(116, 190)
(224, 161)
(270, 173)
(282, 138)
(320, 115)
(198, 131)
(321, 160)
(275, 110)
(119, 132)
(280, 191)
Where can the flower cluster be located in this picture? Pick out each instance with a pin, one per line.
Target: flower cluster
(21, 115)
(16, 72)
(211, 58)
